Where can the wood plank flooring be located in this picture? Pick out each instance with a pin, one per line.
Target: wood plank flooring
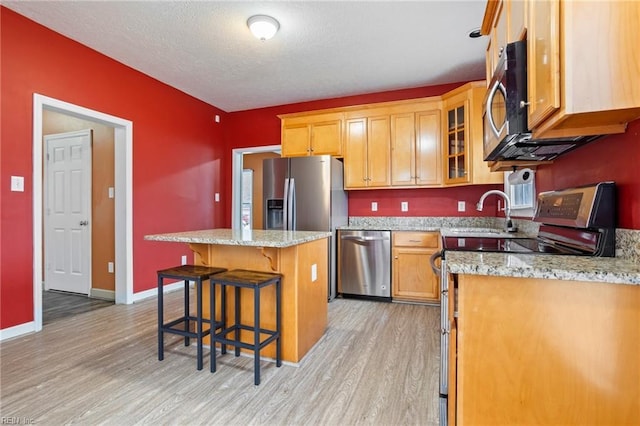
(377, 364)
(57, 305)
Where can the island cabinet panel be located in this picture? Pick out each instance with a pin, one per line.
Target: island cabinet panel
(538, 351)
(304, 301)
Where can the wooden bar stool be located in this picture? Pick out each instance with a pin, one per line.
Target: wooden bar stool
(254, 280)
(181, 326)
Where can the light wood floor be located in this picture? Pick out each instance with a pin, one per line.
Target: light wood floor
(59, 305)
(377, 364)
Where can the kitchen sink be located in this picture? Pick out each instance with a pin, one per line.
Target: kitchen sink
(477, 233)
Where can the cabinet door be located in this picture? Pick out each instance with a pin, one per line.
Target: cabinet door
(456, 146)
(413, 278)
(326, 138)
(379, 149)
(499, 34)
(295, 140)
(517, 18)
(403, 149)
(428, 148)
(543, 56)
(355, 153)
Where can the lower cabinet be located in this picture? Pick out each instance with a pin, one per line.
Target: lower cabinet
(413, 279)
(538, 351)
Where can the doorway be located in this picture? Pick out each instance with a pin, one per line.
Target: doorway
(123, 164)
(237, 172)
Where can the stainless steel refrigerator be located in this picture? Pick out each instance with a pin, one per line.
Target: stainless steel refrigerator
(306, 194)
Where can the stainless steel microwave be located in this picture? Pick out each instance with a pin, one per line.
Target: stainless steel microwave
(505, 107)
(505, 111)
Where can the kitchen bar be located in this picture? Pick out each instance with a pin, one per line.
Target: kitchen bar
(300, 256)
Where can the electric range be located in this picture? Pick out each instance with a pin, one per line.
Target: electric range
(577, 221)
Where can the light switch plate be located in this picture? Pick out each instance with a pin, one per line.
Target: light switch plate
(216, 197)
(314, 272)
(374, 206)
(461, 206)
(17, 183)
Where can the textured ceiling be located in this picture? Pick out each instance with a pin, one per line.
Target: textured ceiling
(323, 49)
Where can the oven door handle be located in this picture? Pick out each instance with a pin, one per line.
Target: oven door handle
(432, 261)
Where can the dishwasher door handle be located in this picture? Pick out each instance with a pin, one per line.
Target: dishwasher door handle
(363, 239)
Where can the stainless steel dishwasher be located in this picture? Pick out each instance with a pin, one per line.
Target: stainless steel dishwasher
(364, 263)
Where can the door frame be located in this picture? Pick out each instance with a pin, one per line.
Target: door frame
(123, 156)
(236, 179)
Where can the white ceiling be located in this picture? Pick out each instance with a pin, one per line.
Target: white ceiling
(323, 49)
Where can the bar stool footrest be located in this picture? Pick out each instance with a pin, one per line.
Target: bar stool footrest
(221, 337)
(170, 327)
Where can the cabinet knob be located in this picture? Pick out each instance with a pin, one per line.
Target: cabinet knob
(524, 104)
(395, 257)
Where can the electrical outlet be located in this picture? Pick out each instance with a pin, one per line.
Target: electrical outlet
(404, 206)
(216, 197)
(374, 206)
(184, 260)
(314, 272)
(110, 267)
(461, 206)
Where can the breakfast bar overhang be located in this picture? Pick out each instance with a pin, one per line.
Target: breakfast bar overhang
(300, 256)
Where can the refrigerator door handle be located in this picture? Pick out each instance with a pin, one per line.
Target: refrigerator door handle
(285, 205)
(292, 205)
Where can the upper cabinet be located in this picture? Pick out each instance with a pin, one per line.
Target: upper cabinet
(582, 74)
(312, 134)
(416, 148)
(416, 143)
(462, 147)
(367, 152)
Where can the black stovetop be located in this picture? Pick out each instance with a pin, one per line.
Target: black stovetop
(505, 245)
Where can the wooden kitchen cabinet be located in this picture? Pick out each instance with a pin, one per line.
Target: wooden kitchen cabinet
(462, 130)
(539, 351)
(581, 74)
(413, 279)
(367, 152)
(416, 158)
(304, 135)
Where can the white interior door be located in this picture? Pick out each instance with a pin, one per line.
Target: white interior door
(67, 212)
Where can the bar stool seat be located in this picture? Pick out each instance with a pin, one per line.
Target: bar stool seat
(254, 280)
(182, 325)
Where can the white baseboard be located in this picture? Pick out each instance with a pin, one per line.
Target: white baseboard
(17, 330)
(154, 291)
(99, 293)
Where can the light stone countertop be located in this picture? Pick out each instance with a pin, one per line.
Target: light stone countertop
(251, 238)
(560, 267)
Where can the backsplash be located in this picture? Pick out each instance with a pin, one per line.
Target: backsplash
(627, 240)
(628, 244)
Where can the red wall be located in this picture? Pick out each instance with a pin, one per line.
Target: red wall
(177, 151)
(612, 158)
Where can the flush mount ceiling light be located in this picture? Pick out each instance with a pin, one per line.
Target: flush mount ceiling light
(263, 27)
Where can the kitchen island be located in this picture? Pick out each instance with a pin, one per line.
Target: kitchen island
(300, 256)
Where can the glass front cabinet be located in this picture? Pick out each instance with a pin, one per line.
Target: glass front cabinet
(456, 155)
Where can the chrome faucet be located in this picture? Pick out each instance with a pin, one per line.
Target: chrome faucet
(509, 226)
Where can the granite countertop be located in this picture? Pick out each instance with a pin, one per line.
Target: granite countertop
(251, 238)
(578, 268)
